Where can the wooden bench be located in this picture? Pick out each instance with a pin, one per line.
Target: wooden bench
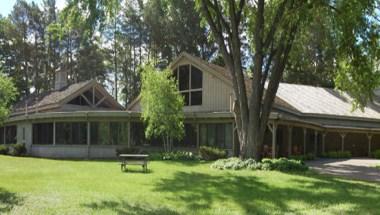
(134, 159)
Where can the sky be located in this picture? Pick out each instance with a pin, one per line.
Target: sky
(6, 6)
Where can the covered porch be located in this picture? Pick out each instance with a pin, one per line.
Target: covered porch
(288, 137)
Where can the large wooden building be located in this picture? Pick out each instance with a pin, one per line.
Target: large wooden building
(83, 121)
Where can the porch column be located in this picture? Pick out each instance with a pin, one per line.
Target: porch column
(369, 144)
(342, 135)
(274, 139)
(129, 134)
(197, 129)
(88, 139)
(88, 134)
(315, 142)
(54, 133)
(290, 137)
(304, 140)
(323, 142)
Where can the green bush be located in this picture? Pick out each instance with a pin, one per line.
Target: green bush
(337, 154)
(235, 164)
(281, 164)
(376, 154)
(174, 156)
(211, 153)
(284, 164)
(179, 155)
(307, 157)
(17, 149)
(4, 150)
(127, 150)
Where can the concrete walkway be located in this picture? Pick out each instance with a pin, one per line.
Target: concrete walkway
(356, 168)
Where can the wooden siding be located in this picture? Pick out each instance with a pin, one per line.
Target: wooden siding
(216, 93)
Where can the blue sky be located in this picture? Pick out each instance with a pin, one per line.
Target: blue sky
(6, 6)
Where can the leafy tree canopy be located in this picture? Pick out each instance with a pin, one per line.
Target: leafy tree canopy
(8, 94)
(161, 105)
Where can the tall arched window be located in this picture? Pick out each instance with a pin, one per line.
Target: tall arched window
(190, 84)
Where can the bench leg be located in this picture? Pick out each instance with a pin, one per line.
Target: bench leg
(123, 167)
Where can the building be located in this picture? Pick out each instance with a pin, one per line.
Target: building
(83, 121)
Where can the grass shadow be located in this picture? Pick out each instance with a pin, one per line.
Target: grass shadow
(255, 196)
(123, 207)
(8, 200)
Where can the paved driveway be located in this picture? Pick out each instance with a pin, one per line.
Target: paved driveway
(357, 168)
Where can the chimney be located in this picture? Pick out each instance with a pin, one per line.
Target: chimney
(60, 79)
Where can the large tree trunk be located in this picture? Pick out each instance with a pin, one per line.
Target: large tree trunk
(270, 55)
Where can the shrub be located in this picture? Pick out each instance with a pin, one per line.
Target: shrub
(306, 157)
(179, 155)
(212, 153)
(281, 164)
(4, 149)
(376, 154)
(337, 154)
(127, 150)
(235, 164)
(17, 149)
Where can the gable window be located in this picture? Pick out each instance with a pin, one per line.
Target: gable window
(190, 84)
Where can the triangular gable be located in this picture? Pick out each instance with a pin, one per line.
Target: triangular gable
(54, 100)
(216, 71)
(93, 95)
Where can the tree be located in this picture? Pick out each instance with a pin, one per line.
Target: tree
(312, 60)
(8, 93)
(161, 105)
(271, 28)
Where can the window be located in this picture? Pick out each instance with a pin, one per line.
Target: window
(71, 133)
(138, 136)
(189, 139)
(184, 77)
(109, 133)
(23, 134)
(2, 135)
(43, 133)
(216, 135)
(190, 84)
(10, 134)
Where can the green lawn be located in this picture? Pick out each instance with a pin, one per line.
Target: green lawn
(42, 186)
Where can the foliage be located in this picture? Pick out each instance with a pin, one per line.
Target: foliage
(236, 164)
(284, 164)
(312, 60)
(307, 157)
(376, 154)
(281, 164)
(7, 95)
(337, 154)
(161, 105)
(271, 29)
(211, 153)
(179, 156)
(17, 149)
(174, 156)
(127, 150)
(4, 149)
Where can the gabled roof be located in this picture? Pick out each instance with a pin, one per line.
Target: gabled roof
(323, 101)
(55, 98)
(301, 99)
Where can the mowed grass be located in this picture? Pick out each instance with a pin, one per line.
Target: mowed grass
(43, 186)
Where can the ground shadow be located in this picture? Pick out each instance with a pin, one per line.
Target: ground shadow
(8, 200)
(198, 191)
(358, 172)
(122, 207)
